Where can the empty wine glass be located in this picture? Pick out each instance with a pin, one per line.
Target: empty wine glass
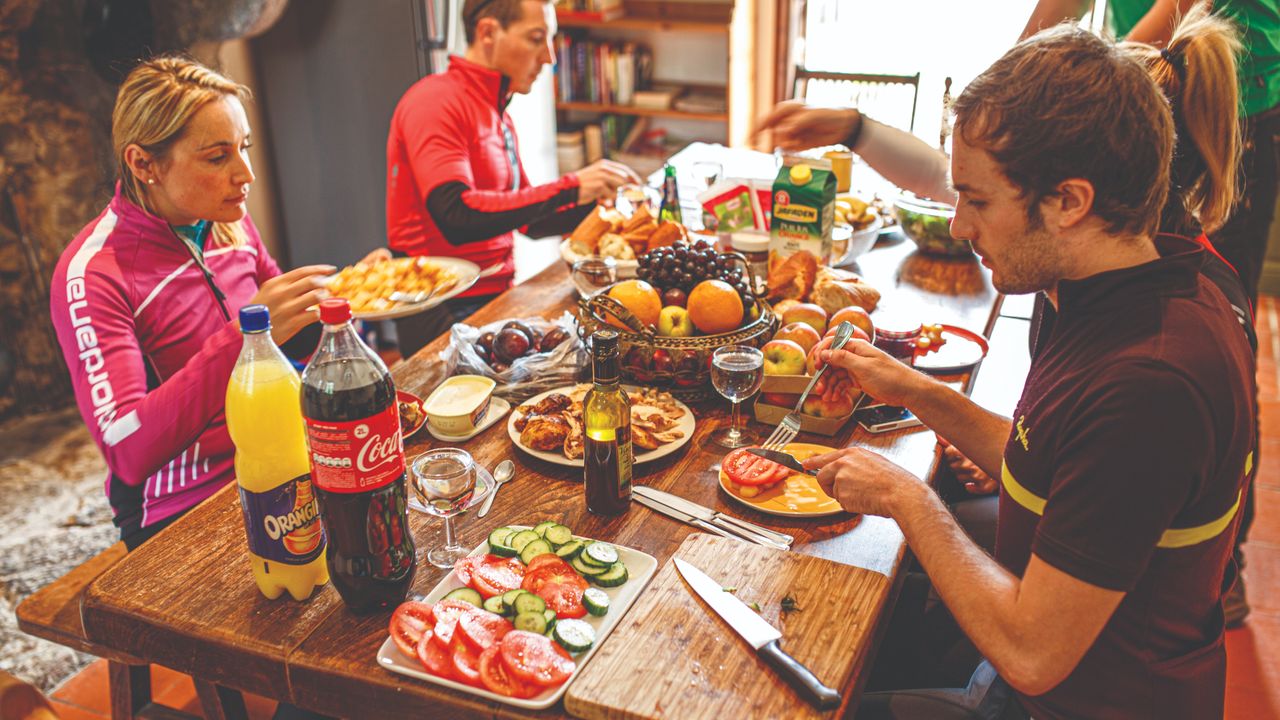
(737, 371)
(446, 482)
(593, 274)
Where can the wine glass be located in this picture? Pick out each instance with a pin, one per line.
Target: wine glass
(446, 482)
(737, 371)
(593, 274)
(707, 172)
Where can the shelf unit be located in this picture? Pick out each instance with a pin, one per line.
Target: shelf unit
(640, 111)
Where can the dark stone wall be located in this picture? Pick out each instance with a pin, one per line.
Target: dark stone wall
(57, 88)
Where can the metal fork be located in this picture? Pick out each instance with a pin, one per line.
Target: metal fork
(787, 430)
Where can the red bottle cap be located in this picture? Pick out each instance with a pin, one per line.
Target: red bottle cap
(334, 311)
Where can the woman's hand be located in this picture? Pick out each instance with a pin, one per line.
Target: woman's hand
(376, 256)
(601, 179)
(290, 296)
(871, 369)
(797, 126)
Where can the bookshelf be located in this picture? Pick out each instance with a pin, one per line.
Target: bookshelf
(644, 23)
(641, 112)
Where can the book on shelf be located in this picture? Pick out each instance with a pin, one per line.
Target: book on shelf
(590, 10)
(701, 101)
(600, 72)
(657, 98)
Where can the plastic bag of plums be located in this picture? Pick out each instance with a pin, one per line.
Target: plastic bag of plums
(526, 356)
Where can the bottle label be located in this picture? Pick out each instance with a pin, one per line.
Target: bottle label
(283, 523)
(357, 456)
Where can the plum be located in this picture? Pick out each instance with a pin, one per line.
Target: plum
(510, 343)
(552, 339)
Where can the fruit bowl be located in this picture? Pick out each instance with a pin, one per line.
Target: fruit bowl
(928, 224)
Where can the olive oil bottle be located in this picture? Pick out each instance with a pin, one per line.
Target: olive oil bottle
(606, 415)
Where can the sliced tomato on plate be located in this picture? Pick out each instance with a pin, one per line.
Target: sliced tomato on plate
(543, 559)
(495, 676)
(466, 664)
(465, 567)
(408, 623)
(743, 468)
(447, 614)
(481, 630)
(497, 575)
(560, 586)
(435, 656)
(535, 658)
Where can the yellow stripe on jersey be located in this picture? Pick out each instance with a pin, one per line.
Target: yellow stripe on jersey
(1171, 538)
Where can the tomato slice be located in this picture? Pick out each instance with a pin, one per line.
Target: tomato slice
(447, 614)
(466, 664)
(465, 567)
(497, 576)
(408, 623)
(560, 586)
(743, 468)
(535, 658)
(435, 656)
(544, 559)
(495, 676)
(481, 630)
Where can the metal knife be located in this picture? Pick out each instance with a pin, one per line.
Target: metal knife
(784, 459)
(760, 635)
(689, 519)
(707, 514)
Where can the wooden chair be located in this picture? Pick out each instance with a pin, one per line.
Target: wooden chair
(890, 99)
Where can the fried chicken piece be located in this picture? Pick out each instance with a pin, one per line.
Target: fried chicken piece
(544, 432)
(573, 440)
(643, 438)
(552, 404)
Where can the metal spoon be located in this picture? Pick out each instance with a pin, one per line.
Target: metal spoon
(501, 474)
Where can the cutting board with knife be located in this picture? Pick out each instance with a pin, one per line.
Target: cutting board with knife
(673, 656)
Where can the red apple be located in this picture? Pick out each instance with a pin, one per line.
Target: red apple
(782, 306)
(800, 333)
(808, 313)
(786, 400)
(783, 357)
(855, 315)
(836, 406)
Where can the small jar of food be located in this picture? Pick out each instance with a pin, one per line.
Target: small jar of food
(897, 336)
(754, 247)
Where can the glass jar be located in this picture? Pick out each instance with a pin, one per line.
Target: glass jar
(755, 248)
(897, 336)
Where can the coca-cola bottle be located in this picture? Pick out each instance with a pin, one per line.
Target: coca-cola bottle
(357, 465)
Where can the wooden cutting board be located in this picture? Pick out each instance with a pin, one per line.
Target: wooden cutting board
(673, 657)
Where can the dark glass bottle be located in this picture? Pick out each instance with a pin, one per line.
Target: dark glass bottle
(670, 209)
(606, 414)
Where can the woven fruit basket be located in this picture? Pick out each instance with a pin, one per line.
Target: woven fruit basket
(681, 365)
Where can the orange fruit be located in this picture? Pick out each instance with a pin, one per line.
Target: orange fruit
(715, 307)
(640, 298)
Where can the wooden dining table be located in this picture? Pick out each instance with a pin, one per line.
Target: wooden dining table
(186, 598)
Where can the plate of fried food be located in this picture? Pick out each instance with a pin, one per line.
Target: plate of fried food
(412, 416)
(606, 232)
(549, 426)
(399, 287)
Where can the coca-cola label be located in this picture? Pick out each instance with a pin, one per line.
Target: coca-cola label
(283, 523)
(357, 456)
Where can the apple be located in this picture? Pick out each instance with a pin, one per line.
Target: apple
(855, 315)
(783, 357)
(783, 305)
(808, 313)
(675, 296)
(786, 400)
(673, 321)
(799, 333)
(661, 361)
(839, 405)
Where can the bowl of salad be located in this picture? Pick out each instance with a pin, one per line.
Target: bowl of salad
(928, 224)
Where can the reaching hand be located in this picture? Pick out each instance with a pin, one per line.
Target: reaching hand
(601, 179)
(871, 369)
(376, 256)
(862, 481)
(290, 296)
(974, 480)
(797, 126)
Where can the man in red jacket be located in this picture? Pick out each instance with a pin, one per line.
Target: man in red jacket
(455, 184)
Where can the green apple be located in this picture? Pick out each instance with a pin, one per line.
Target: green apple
(673, 321)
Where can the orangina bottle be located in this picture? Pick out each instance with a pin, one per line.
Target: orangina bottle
(264, 418)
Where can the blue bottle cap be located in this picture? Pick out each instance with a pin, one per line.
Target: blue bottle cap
(255, 318)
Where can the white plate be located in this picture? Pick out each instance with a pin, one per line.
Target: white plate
(467, 272)
(640, 567)
(497, 408)
(685, 425)
(626, 268)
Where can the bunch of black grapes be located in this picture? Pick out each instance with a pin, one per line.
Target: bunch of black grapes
(683, 265)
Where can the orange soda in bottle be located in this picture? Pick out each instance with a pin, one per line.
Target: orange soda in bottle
(273, 470)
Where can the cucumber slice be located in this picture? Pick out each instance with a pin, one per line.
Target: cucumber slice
(586, 559)
(495, 606)
(574, 635)
(502, 550)
(550, 615)
(601, 553)
(596, 600)
(613, 577)
(509, 599)
(558, 535)
(500, 536)
(529, 603)
(569, 550)
(522, 538)
(467, 595)
(541, 528)
(534, 549)
(584, 569)
(533, 622)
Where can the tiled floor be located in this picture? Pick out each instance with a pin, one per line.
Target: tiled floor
(1253, 651)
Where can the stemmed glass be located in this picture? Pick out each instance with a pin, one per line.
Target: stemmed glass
(446, 482)
(593, 274)
(737, 371)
